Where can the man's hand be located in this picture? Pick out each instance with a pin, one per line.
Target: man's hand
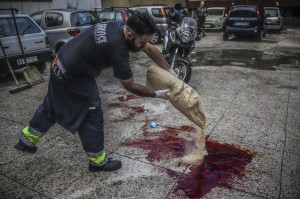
(161, 93)
(172, 72)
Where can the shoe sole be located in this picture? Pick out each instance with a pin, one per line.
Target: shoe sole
(22, 148)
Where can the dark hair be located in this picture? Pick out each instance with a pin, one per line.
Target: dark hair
(178, 6)
(141, 24)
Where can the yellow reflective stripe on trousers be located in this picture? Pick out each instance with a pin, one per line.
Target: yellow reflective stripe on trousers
(99, 159)
(31, 137)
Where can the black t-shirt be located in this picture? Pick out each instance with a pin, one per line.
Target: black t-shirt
(101, 46)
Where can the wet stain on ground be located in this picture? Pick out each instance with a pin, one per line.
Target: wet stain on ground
(220, 168)
(288, 87)
(246, 58)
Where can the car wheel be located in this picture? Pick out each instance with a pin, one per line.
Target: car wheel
(41, 67)
(259, 35)
(225, 36)
(156, 39)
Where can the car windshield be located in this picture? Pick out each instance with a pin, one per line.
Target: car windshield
(246, 11)
(106, 15)
(215, 12)
(271, 12)
(84, 18)
(24, 24)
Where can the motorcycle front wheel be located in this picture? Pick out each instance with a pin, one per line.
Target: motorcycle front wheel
(183, 70)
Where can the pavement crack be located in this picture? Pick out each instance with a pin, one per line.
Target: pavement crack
(222, 116)
(285, 134)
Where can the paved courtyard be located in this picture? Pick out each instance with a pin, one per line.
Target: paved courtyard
(253, 135)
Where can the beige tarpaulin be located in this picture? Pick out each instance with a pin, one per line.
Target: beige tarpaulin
(185, 99)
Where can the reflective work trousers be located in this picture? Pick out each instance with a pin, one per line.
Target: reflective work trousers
(91, 131)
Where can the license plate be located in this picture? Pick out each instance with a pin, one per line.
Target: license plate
(206, 25)
(241, 23)
(28, 60)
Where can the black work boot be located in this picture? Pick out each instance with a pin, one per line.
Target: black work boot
(23, 147)
(110, 165)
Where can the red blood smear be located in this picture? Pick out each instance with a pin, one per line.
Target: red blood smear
(219, 168)
(131, 110)
(162, 144)
(127, 98)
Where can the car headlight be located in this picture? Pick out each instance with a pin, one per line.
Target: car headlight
(219, 20)
(186, 37)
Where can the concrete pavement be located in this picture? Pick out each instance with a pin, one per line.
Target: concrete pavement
(253, 137)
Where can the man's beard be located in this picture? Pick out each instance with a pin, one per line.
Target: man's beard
(132, 47)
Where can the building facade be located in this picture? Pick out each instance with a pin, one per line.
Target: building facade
(28, 7)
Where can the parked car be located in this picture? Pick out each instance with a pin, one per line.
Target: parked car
(33, 39)
(183, 11)
(114, 14)
(274, 18)
(159, 14)
(245, 20)
(215, 18)
(62, 25)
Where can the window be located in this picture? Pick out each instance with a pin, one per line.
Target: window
(119, 16)
(142, 10)
(156, 12)
(244, 12)
(24, 24)
(53, 19)
(271, 12)
(37, 18)
(217, 12)
(107, 16)
(84, 18)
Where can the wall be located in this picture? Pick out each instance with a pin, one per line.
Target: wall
(128, 3)
(30, 7)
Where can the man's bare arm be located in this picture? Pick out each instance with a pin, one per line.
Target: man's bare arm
(137, 89)
(156, 56)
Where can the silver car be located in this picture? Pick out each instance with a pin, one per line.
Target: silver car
(274, 18)
(63, 25)
(215, 18)
(32, 38)
(159, 14)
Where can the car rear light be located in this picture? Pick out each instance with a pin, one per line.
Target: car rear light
(47, 42)
(125, 16)
(257, 12)
(73, 32)
(229, 13)
(163, 13)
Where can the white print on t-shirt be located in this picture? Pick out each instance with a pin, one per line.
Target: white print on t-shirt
(100, 33)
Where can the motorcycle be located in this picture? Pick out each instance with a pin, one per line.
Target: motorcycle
(179, 42)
